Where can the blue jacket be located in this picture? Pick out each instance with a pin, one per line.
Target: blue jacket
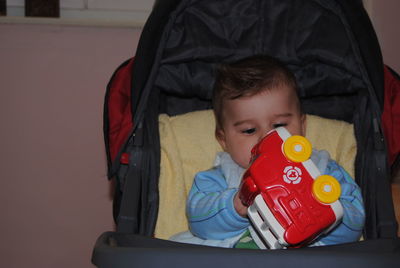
(212, 216)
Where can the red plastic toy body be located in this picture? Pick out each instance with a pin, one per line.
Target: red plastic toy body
(290, 203)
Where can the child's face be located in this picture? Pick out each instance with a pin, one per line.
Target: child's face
(246, 120)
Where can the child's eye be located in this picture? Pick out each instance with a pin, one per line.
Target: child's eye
(249, 131)
(279, 125)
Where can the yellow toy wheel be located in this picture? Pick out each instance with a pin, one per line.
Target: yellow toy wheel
(297, 149)
(326, 189)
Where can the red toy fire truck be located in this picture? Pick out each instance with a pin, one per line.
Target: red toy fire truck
(290, 202)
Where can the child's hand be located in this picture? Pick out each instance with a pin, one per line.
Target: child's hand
(241, 209)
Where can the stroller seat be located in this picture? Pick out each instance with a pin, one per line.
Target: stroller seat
(332, 49)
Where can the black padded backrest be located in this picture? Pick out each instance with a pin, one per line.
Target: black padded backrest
(312, 37)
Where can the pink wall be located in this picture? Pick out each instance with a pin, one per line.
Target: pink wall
(55, 198)
(386, 20)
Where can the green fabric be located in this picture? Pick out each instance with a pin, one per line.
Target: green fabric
(246, 242)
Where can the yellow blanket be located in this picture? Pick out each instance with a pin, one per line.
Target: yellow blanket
(188, 146)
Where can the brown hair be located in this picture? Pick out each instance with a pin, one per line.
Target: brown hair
(248, 77)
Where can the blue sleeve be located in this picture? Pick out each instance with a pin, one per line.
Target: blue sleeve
(210, 209)
(352, 224)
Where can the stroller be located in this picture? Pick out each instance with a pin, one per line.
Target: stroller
(332, 49)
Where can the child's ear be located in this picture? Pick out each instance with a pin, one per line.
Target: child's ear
(220, 136)
(303, 124)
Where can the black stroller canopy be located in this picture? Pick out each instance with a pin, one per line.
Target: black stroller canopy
(312, 37)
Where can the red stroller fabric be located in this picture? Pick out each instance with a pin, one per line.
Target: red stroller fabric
(391, 114)
(118, 109)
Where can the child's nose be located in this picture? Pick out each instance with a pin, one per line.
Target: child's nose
(262, 136)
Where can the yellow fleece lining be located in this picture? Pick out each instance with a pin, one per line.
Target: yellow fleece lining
(188, 145)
